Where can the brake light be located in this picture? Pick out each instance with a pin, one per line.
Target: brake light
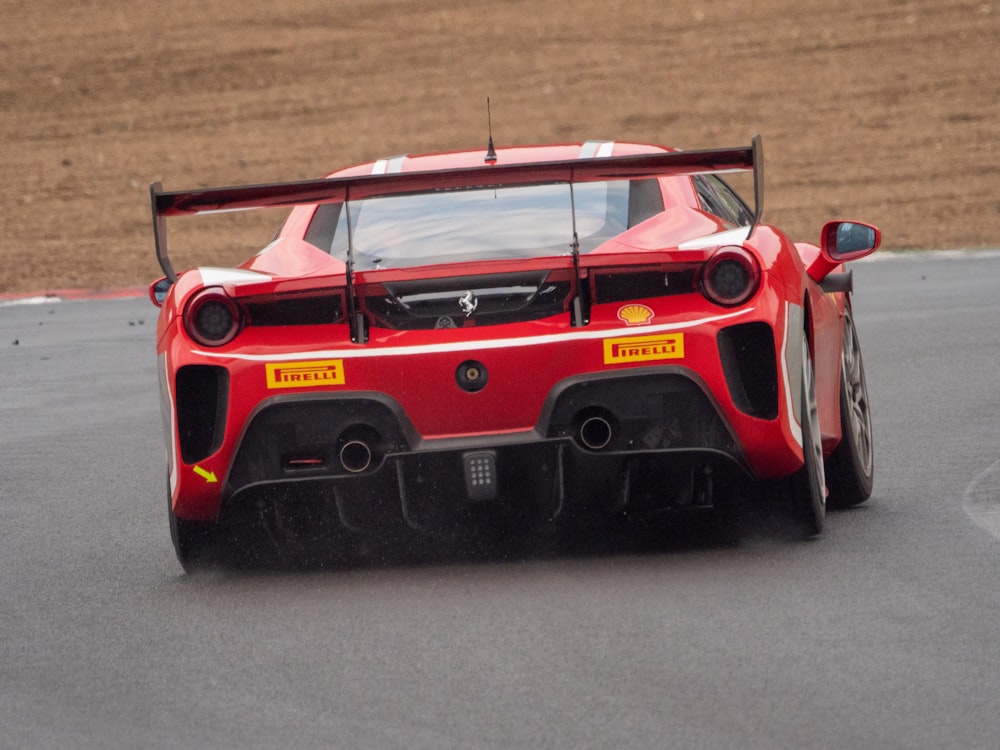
(212, 318)
(731, 276)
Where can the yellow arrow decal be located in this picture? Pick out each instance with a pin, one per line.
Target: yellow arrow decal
(208, 476)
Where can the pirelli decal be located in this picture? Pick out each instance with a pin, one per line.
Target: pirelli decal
(644, 348)
(305, 374)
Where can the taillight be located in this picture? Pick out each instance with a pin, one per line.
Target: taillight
(212, 318)
(730, 277)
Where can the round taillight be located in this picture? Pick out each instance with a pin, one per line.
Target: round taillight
(730, 277)
(211, 318)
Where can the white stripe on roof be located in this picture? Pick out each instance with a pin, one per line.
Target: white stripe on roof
(598, 149)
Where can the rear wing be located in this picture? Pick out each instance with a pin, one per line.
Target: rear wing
(342, 189)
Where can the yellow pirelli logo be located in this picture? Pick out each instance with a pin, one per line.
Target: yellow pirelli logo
(305, 374)
(644, 348)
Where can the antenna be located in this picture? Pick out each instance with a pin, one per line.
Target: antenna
(491, 153)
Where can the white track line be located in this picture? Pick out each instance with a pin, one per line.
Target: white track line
(981, 499)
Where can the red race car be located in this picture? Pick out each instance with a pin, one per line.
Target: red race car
(536, 333)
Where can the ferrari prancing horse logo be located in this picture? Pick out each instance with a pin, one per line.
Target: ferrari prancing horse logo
(468, 303)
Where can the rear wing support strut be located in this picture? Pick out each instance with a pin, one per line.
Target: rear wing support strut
(355, 318)
(757, 157)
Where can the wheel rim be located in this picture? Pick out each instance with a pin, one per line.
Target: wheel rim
(856, 390)
(814, 450)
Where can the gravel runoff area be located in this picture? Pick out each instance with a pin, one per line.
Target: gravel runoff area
(885, 112)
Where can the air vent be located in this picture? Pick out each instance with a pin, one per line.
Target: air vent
(295, 311)
(620, 286)
(454, 302)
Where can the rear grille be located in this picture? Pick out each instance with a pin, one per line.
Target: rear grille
(632, 284)
(295, 311)
(479, 300)
(483, 300)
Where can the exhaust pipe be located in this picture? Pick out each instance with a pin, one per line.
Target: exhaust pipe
(355, 456)
(595, 429)
(358, 451)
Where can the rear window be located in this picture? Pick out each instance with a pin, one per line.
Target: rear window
(452, 226)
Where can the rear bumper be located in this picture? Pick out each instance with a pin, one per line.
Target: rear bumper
(563, 417)
(609, 442)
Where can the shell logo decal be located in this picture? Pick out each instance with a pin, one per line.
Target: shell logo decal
(635, 315)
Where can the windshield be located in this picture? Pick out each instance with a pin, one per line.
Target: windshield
(453, 226)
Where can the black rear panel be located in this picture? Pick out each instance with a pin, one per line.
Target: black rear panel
(488, 299)
(295, 311)
(643, 283)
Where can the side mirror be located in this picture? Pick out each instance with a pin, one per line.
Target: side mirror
(839, 242)
(158, 291)
(842, 241)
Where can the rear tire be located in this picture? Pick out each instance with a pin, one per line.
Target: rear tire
(807, 496)
(194, 542)
(850, 470)
(729, 517)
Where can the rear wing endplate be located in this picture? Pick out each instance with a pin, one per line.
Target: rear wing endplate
(341, 189)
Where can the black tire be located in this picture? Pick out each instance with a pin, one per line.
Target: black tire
(807, 496)
(851, 468)
(194, 542)
(729, 517)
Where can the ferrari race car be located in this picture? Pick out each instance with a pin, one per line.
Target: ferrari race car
(534, 333)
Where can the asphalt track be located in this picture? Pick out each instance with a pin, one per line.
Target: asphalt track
(883, 633)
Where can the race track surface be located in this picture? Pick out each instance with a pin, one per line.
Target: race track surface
(882, 633)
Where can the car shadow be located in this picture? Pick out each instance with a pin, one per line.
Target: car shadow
(251, 550)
